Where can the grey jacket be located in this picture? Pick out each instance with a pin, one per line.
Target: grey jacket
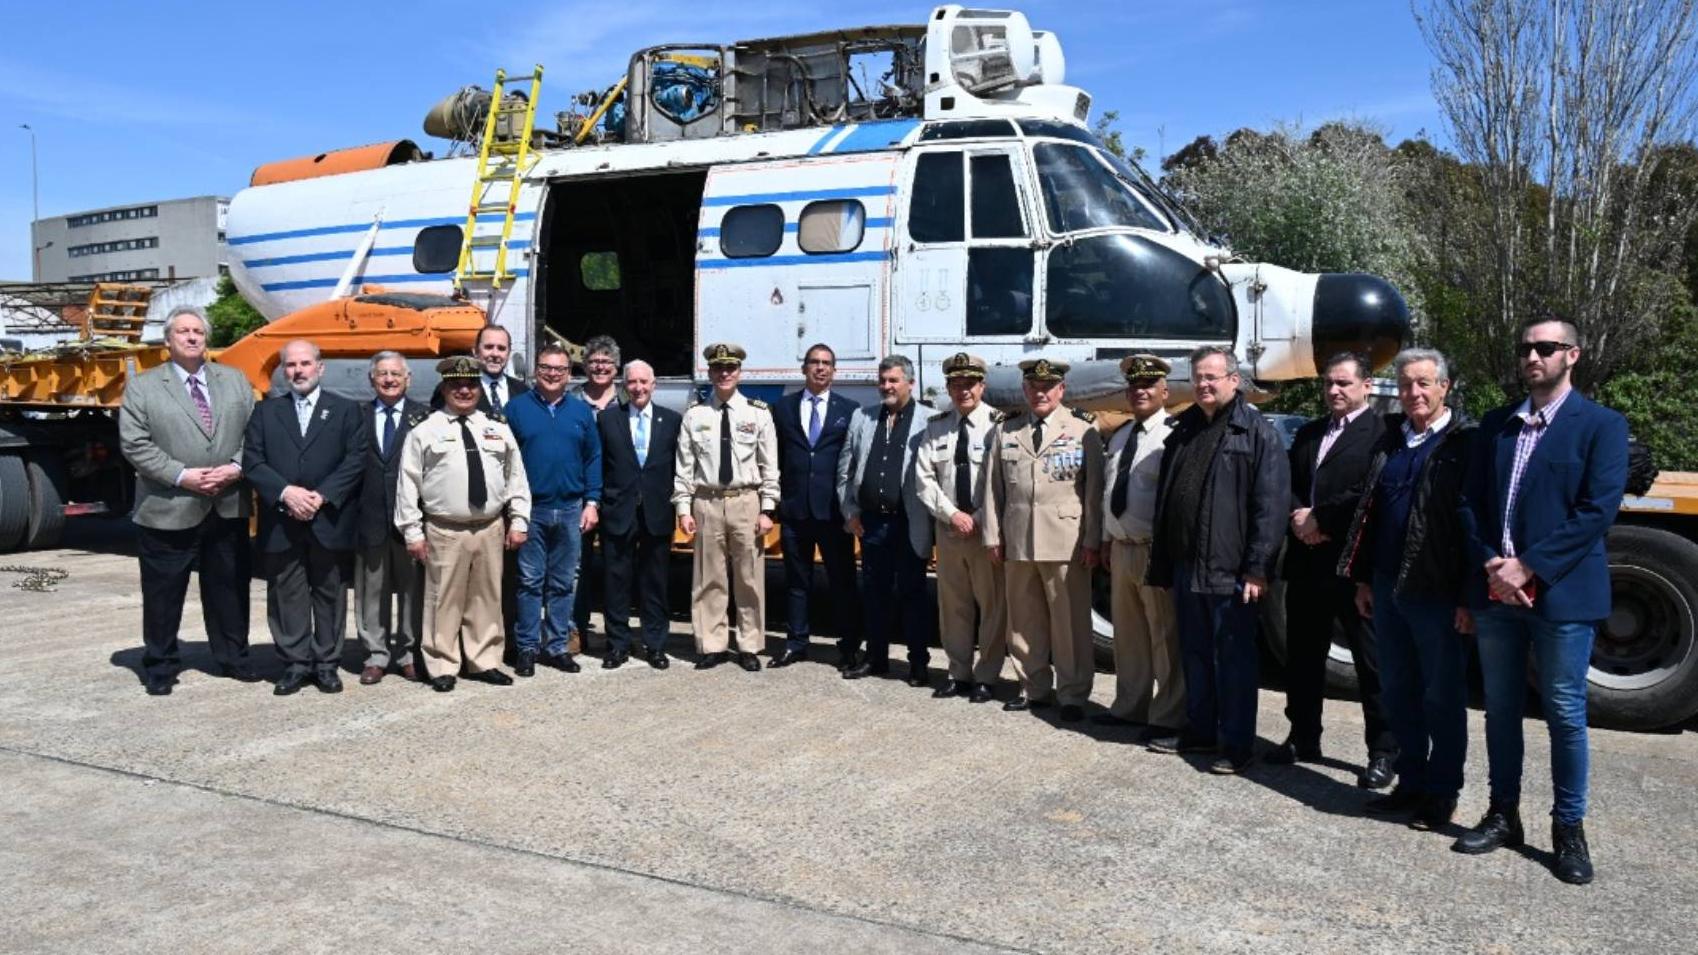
(160, 434)
(852, 464)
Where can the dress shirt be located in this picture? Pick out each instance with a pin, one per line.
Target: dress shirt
(433, 480)
(1136, 523)
(1335, 427)
(641, 421)
(304, 405)
(1534, 424)
(1415, 439)
(808, 406)
(381, 420)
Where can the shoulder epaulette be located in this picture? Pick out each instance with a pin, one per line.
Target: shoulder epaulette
(495, 416)
(1084, 415)
(416, 418)
(757, 403)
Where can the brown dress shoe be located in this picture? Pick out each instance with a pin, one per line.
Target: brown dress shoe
(371, 675)
(409, 673)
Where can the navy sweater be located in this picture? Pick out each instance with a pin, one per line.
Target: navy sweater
(561, 449)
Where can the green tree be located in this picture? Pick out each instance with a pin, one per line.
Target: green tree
(231, 315)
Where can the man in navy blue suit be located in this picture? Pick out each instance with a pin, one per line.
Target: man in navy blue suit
(812, 424)
(1544, 482)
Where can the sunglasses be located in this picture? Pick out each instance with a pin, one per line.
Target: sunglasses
(1545, 349)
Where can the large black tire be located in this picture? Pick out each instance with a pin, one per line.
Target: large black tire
(1102, 622)
(1341, 666)
(47, 491)
(1645, 662)
(14, 501)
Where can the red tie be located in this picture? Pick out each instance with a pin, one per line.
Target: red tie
(201, 407)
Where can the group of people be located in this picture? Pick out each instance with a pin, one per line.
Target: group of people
(1401, 531)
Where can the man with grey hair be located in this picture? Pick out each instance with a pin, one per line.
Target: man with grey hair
(181, 427)
(1221, 508)
(388, 583)
(876, 490)
(304, 454)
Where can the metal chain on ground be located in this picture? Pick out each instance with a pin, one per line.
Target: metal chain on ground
(42, 580)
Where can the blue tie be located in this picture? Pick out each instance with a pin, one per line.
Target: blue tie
(814, 421)
(642, 439)
(388, 431)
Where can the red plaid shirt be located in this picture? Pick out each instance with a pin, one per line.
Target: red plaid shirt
(1533, 427)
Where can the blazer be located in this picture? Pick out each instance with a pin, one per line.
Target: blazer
(160, 434)
(625, 483)
(382, 471)
(852, 465)
(329, 459)
(515, 386)
(1568, 499)
(1335, 487)
(807, 476)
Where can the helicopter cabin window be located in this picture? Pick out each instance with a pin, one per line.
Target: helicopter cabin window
(1081, 193)
(996, 205)
(599, 271)
(1125, 286)
(749, 232)
(436, 249)
(830, 227)
(937, 209)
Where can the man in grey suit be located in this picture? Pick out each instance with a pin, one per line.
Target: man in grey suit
(388, 582)
(181, 427)
(880, 500)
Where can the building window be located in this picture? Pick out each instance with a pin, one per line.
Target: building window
(833, 226)
(90, 218)
(749, 232)
(599, 271)
(437, 249)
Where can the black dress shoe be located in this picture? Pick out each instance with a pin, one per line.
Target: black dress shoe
(1182, 743)
(1072, 712)
(920, 676)
(1399, 800)
(711, 660)
(328, 681)
(658, 659)
(1434, 814)
(492, 677)
(1022, 702)
(952, 688)
(160, 686)
(865, 669)
(1378, 774)
(849, 660)
(788, 657)
(614, 659)
(982, 693)
(238, 671)
(526, 663)
(1573, 858)
(1500, 826)
(1231, 763)
(1291, 751)
(291, 683)
(749, 662)
(563, 662)
(442, 684)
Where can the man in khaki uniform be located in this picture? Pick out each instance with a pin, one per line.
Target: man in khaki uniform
(726, 490)
(1146, 631)
(1045, 464)
(949, 471)
(461, 493)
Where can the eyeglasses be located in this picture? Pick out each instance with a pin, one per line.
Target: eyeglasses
(1545, 349)
(551, 369)
(598, 363)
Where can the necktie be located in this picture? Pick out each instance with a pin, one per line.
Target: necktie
(814, 422)
(202, 408)
(724, 445)
(1037, 434)
(1122, 472)
(642, 439)
(476, 493)
(495, 393)
(303, 414)
(388, 432)
(963, 469)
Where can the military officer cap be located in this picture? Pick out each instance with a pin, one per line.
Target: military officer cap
(963, 365)
(459, 366)
(724, 353)
(1144, 367)
(1043, 369)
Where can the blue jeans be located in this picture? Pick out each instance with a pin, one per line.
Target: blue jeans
(1562, 653)
(1217, 646)
(1423, 683)
(548, 570)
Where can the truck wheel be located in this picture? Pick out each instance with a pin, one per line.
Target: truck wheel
(1645, 661)
(46, 500)
(14, 501)
(1341, 664)
(1102, 621)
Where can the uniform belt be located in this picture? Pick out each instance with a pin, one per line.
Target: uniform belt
(459, 524)
(723, 491)
(1127, 540)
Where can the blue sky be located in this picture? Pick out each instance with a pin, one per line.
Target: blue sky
(186, 98)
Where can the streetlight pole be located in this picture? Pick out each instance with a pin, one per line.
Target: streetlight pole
(35, 199)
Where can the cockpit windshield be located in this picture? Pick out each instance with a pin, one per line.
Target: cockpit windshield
(1082, 192)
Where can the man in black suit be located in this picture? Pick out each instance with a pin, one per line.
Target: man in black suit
(639, 448)
(812, 425)
(493, 349)
(1330, 458)
(388, 582)
(304, 454)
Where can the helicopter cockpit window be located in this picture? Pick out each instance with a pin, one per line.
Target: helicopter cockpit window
(996, 205)
(1125, 286)
(937, 210)
(1081, 193)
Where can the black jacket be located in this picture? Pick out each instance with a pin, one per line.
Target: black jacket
(1434, 561)
(1242, 523)
(1335, 488)
(512, 387)
(329, 459)
(382, 471)
(807, 477)
(624, 483)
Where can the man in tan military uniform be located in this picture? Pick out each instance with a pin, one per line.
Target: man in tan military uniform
(1046, 463)
(1146, 630)
(726, 490)
(949, 472)
(462, 492)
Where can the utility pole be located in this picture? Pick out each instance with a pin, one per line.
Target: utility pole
(35, 198)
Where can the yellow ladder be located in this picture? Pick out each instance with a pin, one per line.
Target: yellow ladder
(502, 159)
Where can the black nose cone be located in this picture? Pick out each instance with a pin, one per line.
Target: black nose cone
(1358, 312)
